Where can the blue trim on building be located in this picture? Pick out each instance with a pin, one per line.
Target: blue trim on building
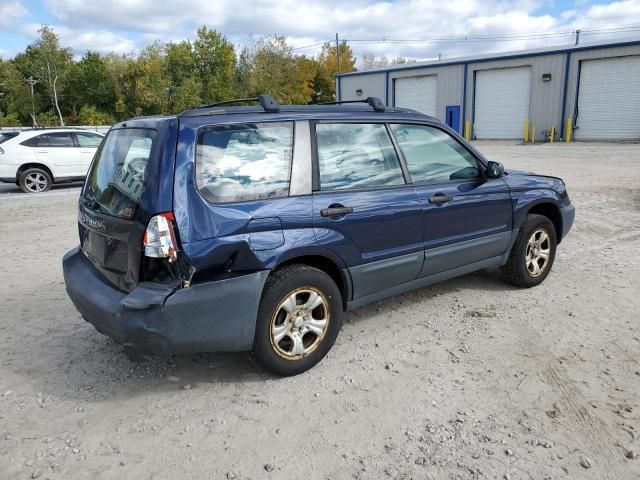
(386, 89)
(564, 93)
(574, 117)
(473, 107)
(393, 92)
(493, 59)
(464, 99)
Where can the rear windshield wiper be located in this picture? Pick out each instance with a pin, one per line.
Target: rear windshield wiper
(91, 204)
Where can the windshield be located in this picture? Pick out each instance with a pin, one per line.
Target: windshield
(116, 181)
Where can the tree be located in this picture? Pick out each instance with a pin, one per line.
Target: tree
(214, 62)
(186, 95)
(50, 63)
(117, 66)
(90, 84)
(325, 79)
(274, 69)
(16, 100)
(369, 61)
(184, 86)
(90, 115)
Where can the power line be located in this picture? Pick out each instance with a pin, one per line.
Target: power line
(485, 38)
(475, 38)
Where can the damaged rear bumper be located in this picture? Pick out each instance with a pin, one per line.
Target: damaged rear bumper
(155, 319)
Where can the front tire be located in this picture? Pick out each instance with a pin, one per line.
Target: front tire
(299, 319)
(533, 252)
(35, 180)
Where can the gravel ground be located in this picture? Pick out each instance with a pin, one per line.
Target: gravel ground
(470, 378)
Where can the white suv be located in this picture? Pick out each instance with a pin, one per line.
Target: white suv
(36, 159)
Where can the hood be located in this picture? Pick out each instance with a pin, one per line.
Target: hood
(523, 180)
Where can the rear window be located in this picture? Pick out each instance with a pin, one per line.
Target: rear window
(252, 161)
(116, 180)
(38, 141)
(7, 136)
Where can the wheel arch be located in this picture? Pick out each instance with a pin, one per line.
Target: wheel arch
(336, 270)
(552, 212)
(27, 166)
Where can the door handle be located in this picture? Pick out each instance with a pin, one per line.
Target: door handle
(336, 211)
(439, 198)
(42, 151)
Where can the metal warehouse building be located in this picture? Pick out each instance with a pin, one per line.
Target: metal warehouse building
(583, 92)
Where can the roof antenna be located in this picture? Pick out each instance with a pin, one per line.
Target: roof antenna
(577, 37)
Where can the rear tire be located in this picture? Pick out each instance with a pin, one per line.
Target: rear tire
(533, 252)
(35, 180)
(299, 319)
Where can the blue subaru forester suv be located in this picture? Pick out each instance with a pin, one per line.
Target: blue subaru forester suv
(254, 228)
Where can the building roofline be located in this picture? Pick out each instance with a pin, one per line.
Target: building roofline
(492, 57)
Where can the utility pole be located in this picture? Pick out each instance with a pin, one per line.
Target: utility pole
(31, 82)
(577, 36)
(337, 55)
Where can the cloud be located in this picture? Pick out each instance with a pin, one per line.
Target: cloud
(101, 41)
(125, 25)
(10, 12)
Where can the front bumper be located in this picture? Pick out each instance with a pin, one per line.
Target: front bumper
(153, 319)
(568, 214)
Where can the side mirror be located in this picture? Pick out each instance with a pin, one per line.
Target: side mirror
(495, 170)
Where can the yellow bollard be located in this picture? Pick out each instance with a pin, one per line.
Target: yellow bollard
(467, 130)
(553, 134)
(526, 130)
(569, 131)
(533, 134)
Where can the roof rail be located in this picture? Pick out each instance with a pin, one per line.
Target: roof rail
(267, 102)
(375, 103)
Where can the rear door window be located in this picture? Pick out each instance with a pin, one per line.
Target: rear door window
(242, 162)
(355, 156)
(7, 136)
(62, 140)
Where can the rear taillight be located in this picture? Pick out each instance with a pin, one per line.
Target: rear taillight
(160, 238)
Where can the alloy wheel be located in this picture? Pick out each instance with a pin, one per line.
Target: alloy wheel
(538, 252)
(36, 182)
(299, 323)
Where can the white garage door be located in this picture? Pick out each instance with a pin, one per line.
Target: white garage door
(502, 102)
(609, 99)
(418, 93)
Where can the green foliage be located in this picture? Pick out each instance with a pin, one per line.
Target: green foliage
(324, 81)
(214, 61)
(89, 83)
(47, 119)
(90, 115)
(274, 69)
(10, 120)
(162, 78)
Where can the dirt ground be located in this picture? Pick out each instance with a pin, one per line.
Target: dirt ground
(470, 378)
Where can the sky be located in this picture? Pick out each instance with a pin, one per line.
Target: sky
(392, 28)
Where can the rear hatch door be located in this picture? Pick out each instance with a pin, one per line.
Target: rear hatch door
(123, 189)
